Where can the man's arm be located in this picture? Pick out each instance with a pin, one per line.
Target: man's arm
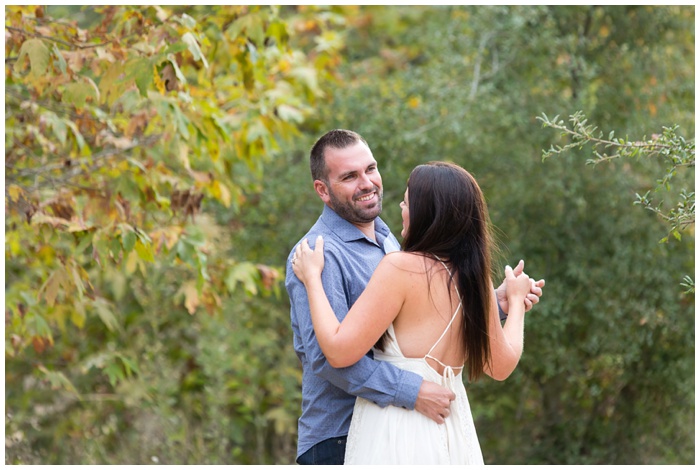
(377, 381)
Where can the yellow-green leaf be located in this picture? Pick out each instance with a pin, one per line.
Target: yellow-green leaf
(59, 57)
(105, 313)
(40, 327)
(15, 192)
(77, 315)
(76, 94)
(50, 288)
(129, 365)
(246, 273)
(160, 84)
(221, 192)
(178, 73)
(189, 39)
(111, 84)
(58, 380)
(114, 373)
(140, 70)
(144, 251)
(39, 56)
(58, 126)
(133, 262)
(290, 113)
(308, 77)
(128, 241)
(79, 139)
(191, 297)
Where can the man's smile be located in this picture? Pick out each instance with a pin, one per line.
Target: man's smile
(366, 197)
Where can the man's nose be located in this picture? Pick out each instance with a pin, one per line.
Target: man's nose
(366, 182)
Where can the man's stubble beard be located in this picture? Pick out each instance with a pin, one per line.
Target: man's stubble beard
(353, 215)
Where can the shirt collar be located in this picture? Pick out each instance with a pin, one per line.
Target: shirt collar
(346, 231)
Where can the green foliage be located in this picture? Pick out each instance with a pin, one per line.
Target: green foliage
(674, 151)
(147, 325)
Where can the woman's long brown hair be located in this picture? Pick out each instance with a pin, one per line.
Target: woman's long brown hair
(448, 218)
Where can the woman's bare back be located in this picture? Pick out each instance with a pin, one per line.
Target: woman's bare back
(427, 310)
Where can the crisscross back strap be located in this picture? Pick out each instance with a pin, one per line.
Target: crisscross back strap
(454, 315)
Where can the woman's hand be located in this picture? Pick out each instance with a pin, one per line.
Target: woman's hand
(517, 287)
(531, 298)
(308, 263)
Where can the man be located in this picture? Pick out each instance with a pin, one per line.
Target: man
(347, 180)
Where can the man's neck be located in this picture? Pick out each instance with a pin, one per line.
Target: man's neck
(368, 230)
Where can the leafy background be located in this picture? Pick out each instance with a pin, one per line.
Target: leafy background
(156, 177)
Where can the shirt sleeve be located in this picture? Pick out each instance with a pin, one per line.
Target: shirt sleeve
(377, 381)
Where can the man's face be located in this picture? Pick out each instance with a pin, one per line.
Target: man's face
(354, 188)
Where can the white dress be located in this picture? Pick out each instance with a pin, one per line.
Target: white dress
(394, 435)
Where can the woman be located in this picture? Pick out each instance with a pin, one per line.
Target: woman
(430, 309)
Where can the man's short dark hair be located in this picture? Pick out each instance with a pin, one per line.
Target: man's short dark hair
(338, 139)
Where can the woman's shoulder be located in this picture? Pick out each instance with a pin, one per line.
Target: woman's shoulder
(404, 261)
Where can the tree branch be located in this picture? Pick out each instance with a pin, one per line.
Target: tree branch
(80, 166)
(59, 41)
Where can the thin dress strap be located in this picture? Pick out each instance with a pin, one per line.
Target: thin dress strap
(454, 315)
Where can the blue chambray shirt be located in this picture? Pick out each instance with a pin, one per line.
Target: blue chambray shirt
(328, 394)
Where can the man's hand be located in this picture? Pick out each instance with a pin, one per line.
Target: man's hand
(531, 299)
(434, 401)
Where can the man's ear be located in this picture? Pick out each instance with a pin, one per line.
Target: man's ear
(322, 190)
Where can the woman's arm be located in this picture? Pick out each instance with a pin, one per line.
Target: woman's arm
(506, 341)
(345, 343)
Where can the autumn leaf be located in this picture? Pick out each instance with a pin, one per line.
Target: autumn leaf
(15, 192)
(58, 380)
(268, 275)
(168, 78)
(158, 81)
(145, 251)
(290, 113)
(245, 273)
(113, 84)
(139, 71)
(59, 57)
(38, 54)
(104, 311)
(191, 297)
(220, 192)
(78, 93)
(176, 68)
(50, 288)
(193, 46)
(137, 124)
